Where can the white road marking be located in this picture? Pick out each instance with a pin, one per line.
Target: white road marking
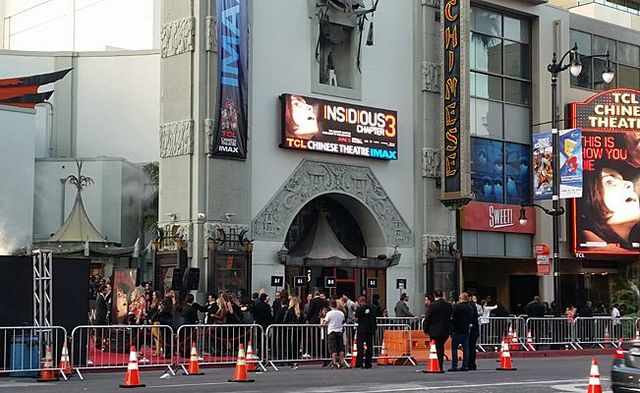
(578, 388)
(413, 387)
(190, 384)
(20, 385)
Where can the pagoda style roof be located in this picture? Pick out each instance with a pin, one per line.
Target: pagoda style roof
(78, 226)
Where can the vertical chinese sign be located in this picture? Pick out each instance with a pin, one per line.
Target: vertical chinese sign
(230, 132)
(455, 96)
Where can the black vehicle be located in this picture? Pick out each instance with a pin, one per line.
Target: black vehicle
(625, 370)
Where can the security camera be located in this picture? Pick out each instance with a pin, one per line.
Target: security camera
(172, 216)
(202, 216)
(229, 215)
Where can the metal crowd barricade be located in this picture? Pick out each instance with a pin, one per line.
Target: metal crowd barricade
(218, 344)
(604, 331)
(108, 346)
(415, 323)
(493, 330)
(294, 343)
(553, 332)
(399, 350)
(25, 347)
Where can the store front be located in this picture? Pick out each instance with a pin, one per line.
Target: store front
(497, 254)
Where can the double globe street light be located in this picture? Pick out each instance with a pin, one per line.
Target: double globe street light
(555, 68)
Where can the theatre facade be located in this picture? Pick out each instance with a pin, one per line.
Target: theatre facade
(300, 150)
(287, 147)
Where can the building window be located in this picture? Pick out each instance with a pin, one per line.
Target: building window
(500, 107)
(625, 61)
(336, 55)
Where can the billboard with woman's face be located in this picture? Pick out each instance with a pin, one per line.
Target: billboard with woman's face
(605, 220)
(338, 127)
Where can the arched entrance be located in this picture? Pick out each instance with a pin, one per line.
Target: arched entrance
(328, 238)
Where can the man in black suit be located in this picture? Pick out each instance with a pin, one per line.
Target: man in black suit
(262, 316)
(437, 323)
(474, 333)
(366, 317)
(462, 321)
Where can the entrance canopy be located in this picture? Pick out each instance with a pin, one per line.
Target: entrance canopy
(321, 247)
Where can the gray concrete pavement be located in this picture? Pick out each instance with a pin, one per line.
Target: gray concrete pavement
(533, 375)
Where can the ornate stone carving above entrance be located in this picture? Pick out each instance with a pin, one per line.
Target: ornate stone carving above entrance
(312, 179)
(178, 36)
(176, 139)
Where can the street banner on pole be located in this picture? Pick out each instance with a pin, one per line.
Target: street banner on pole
(230, 130)
(542, 166)
(570, 153)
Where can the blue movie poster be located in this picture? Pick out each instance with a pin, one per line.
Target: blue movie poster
(570, 163)
(517, 174)
(542, 166)
(487, 170)
(230, 131)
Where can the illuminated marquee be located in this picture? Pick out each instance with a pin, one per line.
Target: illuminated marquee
(606, 219)
(337, 127)
(451, 95)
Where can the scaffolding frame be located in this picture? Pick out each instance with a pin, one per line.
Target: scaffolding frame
(42, 288)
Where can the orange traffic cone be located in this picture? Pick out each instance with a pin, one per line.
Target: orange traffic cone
(354, 354)
(505, 359)
(252, 359)
(433, 365)
(47, 374)
(383, 359)
(194, 366)
(65, 363)
(530, 346)
(132, 377)
(240, 374)
(594, 378)
(515, 346)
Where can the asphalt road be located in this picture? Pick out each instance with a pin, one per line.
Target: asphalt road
(570, 374)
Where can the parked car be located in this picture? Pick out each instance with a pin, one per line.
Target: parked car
(625, 370)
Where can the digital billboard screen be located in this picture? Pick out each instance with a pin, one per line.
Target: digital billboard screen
(605, 220)
(337, 127)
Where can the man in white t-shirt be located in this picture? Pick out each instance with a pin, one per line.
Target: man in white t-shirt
(617, 326)
(334, 321)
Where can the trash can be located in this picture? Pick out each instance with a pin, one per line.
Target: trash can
(25, 355)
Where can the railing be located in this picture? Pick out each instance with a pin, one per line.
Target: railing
(291, 343)
(218, 344)
(494, 330)
(24, 348)
(630, 6)
(108, 347)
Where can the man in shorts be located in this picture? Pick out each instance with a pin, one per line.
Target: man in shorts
(334, 321)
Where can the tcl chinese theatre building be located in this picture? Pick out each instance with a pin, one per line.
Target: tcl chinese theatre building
(287, 147)
(295, 142)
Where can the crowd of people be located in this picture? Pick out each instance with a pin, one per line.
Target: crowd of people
(146, 306)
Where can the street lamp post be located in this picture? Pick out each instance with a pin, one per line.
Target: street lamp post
(555, 68)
